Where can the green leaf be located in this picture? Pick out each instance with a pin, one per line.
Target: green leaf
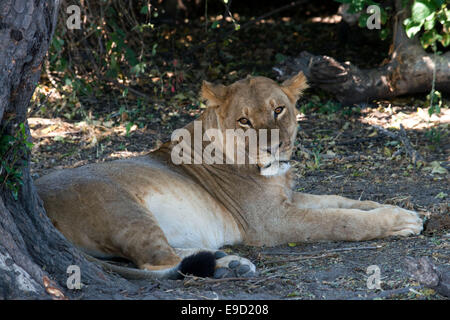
(384, 33)
(384, 16)
(441, 195)
(442, 17)
(439, 170)
(445, 39)
(214, 25)
(154, 49)
(179, 96)
(139, 68)
(144, 10)
(279, 57)
(430, 21)
(435, 167)
(420, 10)
(128, 128)
(6, 141)
(15, 194)
(429, 38)
(293, 294)
(130, 55)
(412, 28)
(437, 3)
(362, 21)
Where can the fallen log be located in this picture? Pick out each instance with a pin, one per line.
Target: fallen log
(409, 70)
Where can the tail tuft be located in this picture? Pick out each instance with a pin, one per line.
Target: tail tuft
(200, 264)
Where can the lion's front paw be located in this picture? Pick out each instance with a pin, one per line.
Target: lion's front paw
(403, 222)
(230, 266)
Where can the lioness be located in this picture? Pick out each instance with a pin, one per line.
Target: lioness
(170, 219)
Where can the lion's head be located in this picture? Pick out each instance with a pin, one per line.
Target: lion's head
(257, 103)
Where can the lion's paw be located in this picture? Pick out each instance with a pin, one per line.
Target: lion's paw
(230, 266)
(404, 222)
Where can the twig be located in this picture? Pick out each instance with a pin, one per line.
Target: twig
(132, 90)
(199, 280)
(326, 255)
(415, 156)
(403, 137)
(355, 157)
(49, 73)
(357, 140)
(303, 149)
(265, 279)
(388, 293)
(386, 132)
(328, 157)
(321, 252)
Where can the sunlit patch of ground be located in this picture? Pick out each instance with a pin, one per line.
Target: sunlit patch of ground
(59, 144)
(418, 119)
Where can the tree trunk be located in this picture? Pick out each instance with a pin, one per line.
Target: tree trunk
(34, 256)
(410, 70)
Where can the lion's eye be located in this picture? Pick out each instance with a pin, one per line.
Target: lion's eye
(244, 121)
(278, 110)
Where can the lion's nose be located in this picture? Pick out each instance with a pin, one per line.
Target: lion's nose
(274, 149)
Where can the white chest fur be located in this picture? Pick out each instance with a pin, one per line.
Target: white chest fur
(275, 169)
(190, 218)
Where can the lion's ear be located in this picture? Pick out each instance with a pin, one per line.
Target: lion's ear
(214, 94)
(294, 86)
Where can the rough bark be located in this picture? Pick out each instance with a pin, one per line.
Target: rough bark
(34, 256)
(410, 70)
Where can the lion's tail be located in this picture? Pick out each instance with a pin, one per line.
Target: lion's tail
(200, 264)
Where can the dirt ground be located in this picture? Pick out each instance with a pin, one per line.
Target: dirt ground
(339, 152)
(357, 163)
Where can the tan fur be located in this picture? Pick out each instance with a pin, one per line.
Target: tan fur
(149, 210)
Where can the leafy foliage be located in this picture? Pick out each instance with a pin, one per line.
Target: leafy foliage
(127, 66)
(431, 20)
(12, 150)
(328, 107)
(359, 6)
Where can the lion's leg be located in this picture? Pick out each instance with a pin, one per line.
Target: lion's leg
(311, 201)
(105, 220)
(345, 224)
(226, 266)
(138, 237)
